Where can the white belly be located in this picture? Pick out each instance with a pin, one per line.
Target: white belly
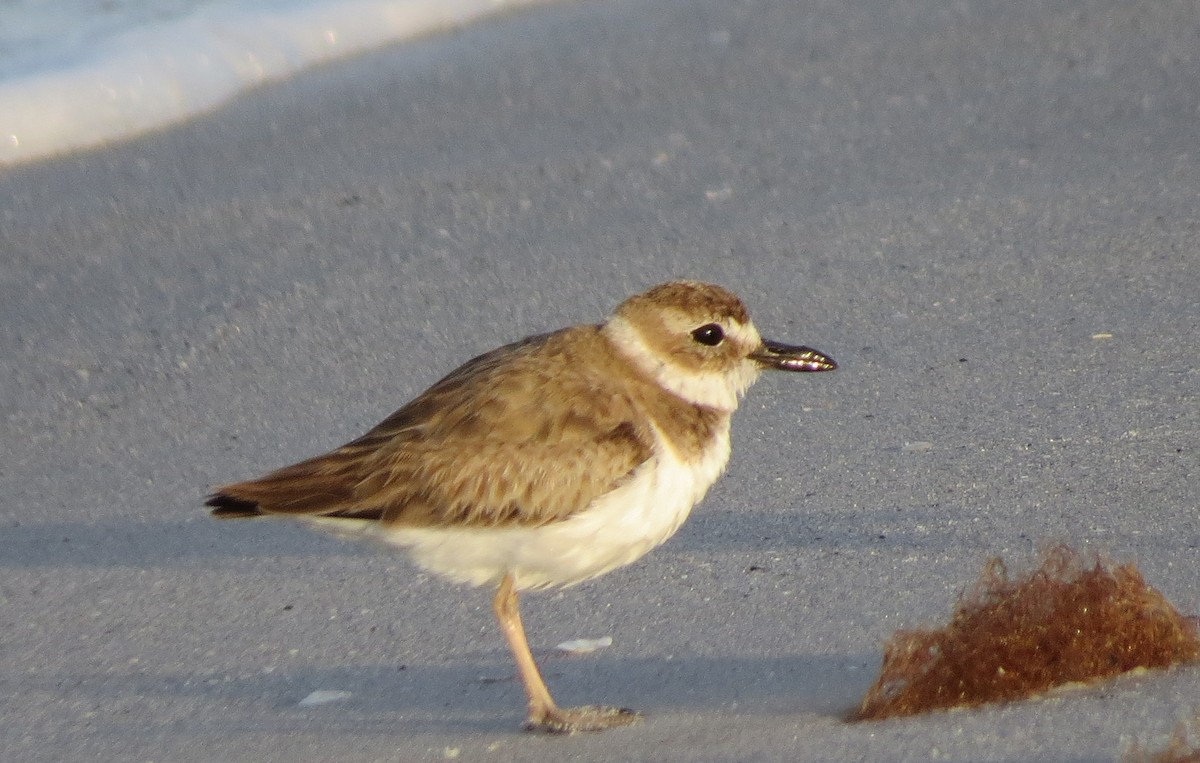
(618, 528)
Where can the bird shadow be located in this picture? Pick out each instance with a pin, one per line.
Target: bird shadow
(486, 696)
(121, 542)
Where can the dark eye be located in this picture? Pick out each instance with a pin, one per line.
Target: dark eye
(710, 334)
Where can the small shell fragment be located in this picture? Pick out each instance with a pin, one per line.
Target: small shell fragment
(584, 645)
(324, 696)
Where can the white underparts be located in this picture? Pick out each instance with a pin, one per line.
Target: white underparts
(617, 529)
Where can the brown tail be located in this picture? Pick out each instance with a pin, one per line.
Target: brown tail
(320, 486)
(226, 506)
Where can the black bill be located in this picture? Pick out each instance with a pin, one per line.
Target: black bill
(788, 357)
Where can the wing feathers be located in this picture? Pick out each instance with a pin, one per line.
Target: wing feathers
(524, 434)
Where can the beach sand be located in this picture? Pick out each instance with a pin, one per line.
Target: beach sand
(986, 212)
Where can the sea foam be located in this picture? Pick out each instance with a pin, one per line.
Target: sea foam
(154, 74)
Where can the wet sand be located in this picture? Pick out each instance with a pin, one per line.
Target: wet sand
(987, 213)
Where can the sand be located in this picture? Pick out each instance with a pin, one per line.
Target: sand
(986, 212)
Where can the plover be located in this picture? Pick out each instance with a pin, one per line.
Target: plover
(546, 462)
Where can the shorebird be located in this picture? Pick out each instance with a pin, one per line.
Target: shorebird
(548, 461)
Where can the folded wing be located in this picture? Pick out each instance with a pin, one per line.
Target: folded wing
(518, 435)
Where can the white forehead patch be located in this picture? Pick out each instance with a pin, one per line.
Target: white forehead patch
(745, 334)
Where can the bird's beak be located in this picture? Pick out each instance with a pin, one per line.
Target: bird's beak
(788, 357)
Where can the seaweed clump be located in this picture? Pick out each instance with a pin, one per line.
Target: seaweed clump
(1066, 622)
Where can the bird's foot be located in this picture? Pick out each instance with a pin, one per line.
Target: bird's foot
(569, 720)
